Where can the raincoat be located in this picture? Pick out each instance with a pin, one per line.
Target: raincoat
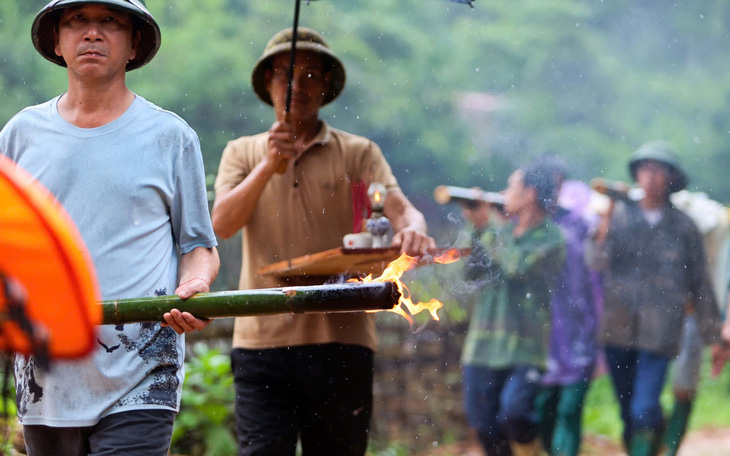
(573, 348)
(652, 275)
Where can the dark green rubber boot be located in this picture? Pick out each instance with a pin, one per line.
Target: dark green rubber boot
(643, 443)
(676, 427)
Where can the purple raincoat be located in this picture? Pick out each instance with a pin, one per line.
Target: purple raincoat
(573, 347)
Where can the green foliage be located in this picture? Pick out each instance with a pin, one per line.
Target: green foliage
(393, 449)
(601, 412)
(205, 425)
(712, 392)
(9, 426)
(7, 401)
(590, 80)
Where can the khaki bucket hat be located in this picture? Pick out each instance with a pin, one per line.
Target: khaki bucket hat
(307, 40)
(47, 19)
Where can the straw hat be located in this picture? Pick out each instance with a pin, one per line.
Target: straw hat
(307, 40)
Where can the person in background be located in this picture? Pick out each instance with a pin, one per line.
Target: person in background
(574, 322)
(720, 361)
(131, 177)
(711, 219)
(654, 267)
(305, 376)
(516, 262)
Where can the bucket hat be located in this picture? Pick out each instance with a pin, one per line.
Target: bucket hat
(307, 40)
(47, 19)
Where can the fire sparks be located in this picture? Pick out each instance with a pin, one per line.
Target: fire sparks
(393, 273)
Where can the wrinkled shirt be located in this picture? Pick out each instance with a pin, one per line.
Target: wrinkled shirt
(510, 324)
(307, 209)
(652, 275)
(573, 346)
(135, 189)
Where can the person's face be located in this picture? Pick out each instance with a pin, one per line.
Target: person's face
(653, 178)
(309, 84)
(516, 195)
(95, 41)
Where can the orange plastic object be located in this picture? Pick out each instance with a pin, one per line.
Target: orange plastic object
(42, 250)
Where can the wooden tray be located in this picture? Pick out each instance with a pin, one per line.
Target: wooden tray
(334, 262)
(340, 260)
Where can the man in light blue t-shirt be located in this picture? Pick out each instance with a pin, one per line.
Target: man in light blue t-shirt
(131, 176)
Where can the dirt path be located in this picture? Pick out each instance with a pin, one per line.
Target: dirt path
(706, 442)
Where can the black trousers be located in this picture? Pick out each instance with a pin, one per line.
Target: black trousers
(321, 394)
(144, 432)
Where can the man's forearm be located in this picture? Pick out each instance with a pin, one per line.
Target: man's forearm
(403, 214)
(200, 263)
(198, 269)
(233, 208)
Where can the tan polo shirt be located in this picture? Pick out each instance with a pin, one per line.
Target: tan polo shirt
(306, 210)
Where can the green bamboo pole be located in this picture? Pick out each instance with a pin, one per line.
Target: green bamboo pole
(345, 297)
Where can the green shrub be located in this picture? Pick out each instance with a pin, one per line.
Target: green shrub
(205, 425)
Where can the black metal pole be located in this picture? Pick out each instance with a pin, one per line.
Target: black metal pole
(295, 27)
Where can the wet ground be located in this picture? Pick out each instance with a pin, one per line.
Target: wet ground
(708, 442)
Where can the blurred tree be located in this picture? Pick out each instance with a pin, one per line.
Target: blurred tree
(453, 95)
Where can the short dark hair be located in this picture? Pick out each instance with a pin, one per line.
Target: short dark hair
(554, 165)
(542, 177)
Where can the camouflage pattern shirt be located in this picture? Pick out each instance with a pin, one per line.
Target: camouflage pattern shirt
(510, 324)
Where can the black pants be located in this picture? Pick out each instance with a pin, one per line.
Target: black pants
(319, 393)
(133, 433)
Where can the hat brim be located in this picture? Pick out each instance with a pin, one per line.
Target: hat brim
(258, 75)
(42, 31)
(677, 182)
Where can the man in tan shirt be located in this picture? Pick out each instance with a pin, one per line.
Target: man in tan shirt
(303, 375)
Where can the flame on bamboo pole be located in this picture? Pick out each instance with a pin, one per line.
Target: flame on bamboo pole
(346, 297)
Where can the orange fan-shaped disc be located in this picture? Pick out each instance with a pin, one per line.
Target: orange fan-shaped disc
(41, 249)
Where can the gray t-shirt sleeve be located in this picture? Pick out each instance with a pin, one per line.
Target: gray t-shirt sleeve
(189, 206)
